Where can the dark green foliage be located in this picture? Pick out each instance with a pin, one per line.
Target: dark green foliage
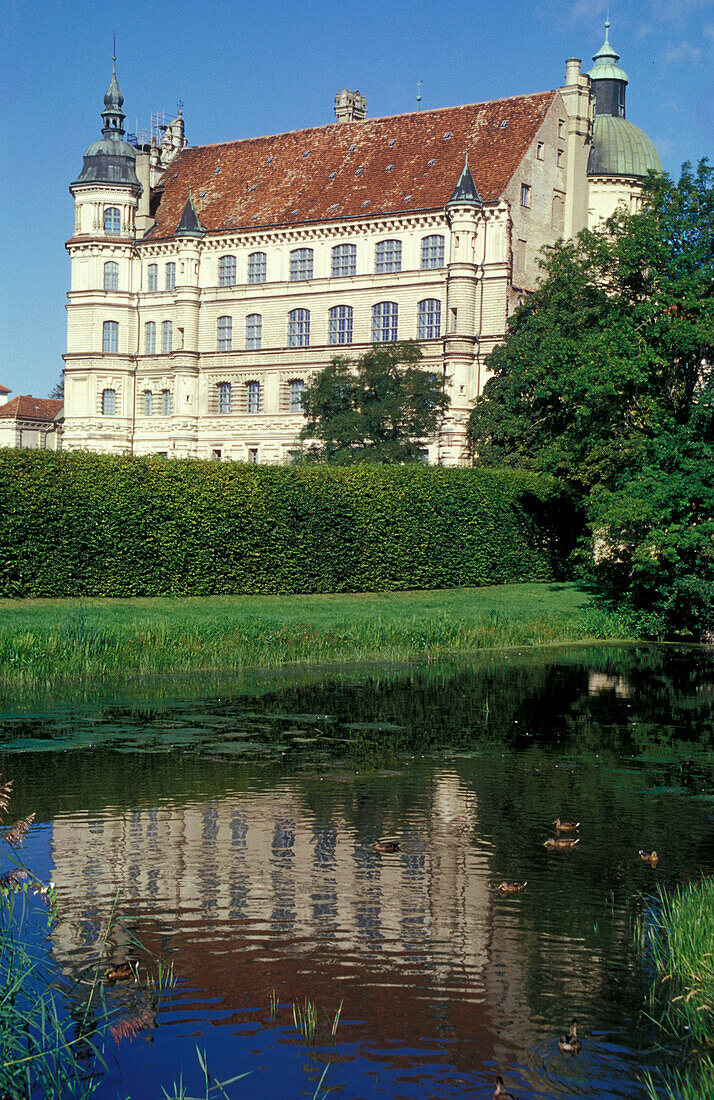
(606, 381)
(75, 524)
(381, 408)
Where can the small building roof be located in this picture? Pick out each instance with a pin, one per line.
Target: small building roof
(4, 389)
(360, 169)
(26, 407)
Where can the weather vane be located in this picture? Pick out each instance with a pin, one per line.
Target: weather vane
(419, 84)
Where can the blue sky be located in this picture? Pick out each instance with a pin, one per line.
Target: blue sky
(246, 69)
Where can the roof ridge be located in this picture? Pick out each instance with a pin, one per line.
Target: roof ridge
(364, 122)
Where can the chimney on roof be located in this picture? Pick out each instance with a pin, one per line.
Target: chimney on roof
(350, 107)
(4, 394)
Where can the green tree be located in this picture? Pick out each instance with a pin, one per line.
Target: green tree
(381, 408)
(606, 380)
(613, 348)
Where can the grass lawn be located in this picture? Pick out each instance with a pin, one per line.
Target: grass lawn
(44, 641)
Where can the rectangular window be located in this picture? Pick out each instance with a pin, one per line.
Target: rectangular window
(166, 402)
(224, 398)
(252, 397)
(432, 252)
(388, 257)
(110, 337)
(170, 276)
(344, 260)
(525, 195)
(340, 325)
(561, 127)
(299, 328)
(225, 333)
(167, 338)
(559, 158)
(520, 257)
(148, 403)
(540, 151)
(253, 332)
(257, 267)
(295, 391)
(384, 322)
(301, 264)
(429, 319)
(152, 281)
(227, 271)
(150, 338)
(216, 454)
(253, 456)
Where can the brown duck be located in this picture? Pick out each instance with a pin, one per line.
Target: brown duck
(382, 846)
(570, 1044)
(511, 887)
(499, 1093)
(649, 857)
(121, 972)
(566, 826)
(561, 841)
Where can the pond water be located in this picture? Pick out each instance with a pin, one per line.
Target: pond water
(228, 828)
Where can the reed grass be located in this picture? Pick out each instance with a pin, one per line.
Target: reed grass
(46, 642)
(693, 1084)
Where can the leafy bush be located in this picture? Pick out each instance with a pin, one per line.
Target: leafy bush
(74, 524)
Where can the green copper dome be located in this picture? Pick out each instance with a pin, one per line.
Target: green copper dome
(621, 149)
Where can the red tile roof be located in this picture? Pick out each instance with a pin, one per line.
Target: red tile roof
(4, 389)
(358, 169)
(31, 408)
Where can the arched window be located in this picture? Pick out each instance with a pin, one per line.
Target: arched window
(109, 402)
(252, 397)
(344, 260)
(296, 388)
(384, 321)
(111, 275)
(225, 333)
(340, 325)
(148, 403)
(110, 336)
(112, 219)
(227, 271)
(299, 328)
(432, 252)
(150, 338)
(166, 402)
(170, 276)
(152, 278)
(429, 319)
(167, 337)
(301, 261)
(388, 257)
(257, 267)
(253, 332)
(225, 394)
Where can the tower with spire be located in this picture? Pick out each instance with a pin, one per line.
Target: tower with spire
(101, 314)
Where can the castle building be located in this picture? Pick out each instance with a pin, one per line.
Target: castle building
(210, 283)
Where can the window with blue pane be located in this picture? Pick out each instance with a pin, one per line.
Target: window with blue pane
(388, 257)
(301, 264)
(150, 338)
(340, 325)
(148, 403)
(252, 397)
(109, 402)
(227, 271)
(296, 388)
(253, 332)
(344, 260)
(167, 337)
(170, 276)
(110, 336)
(225, 333)
(111, 275)
(432, 252)
(429, 319)
(384, 322)
(299, 328)
(152, 278)
(257, 267)
(225, 397)
(112, 219)
(166, 402)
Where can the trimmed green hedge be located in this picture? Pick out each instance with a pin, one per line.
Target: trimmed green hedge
(74, 524)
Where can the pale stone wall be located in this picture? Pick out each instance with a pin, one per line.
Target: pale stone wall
(607, 193)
